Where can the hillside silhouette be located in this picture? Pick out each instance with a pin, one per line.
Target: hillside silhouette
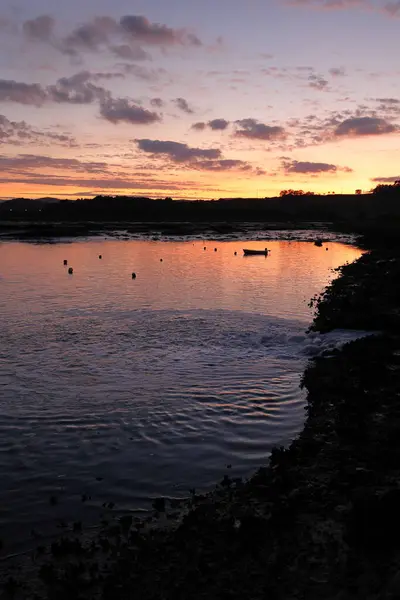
(353, 212)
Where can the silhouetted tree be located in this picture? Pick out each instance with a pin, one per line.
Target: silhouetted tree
(385, 188)
(295, 193)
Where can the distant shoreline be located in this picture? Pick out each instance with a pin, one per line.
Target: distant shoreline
(36, 230)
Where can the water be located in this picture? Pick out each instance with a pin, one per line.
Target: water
(125, 390)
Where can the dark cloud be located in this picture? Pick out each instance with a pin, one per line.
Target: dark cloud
(254, 130)
(123, 38)
(386, 179)
(117, 110)
(214, 124)
(77, 89)
(22, 93)
(218, 124)
(392, 101)
(20, 133)
(183, 105)
(39, 29)
(317, 82)
(106, 76)
(141, 72)
(176, 151)
(198, 159)
(32, 161)
(145, 32)
(90, 36)
(158, 102)
(361, 126)
(9, 130)
(127, 52)
(199, 126)
(306, 167)
(223, 165)
(335, 125)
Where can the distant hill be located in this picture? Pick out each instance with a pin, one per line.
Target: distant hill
(48, 200)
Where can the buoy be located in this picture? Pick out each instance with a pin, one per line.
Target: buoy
(235, 253)
(133, 275)
(65, 262)
(327, 249)
(100, 256)
(160, 259)
(70, 270)
(215, 249)
(204, 248)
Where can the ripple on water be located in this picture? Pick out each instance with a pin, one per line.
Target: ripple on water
(122, 394)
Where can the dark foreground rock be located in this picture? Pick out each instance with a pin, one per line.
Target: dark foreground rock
(322, 520)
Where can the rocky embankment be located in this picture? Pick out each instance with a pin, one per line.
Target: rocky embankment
(322, 520)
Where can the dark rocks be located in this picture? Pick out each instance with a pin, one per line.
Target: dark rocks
(159, 504)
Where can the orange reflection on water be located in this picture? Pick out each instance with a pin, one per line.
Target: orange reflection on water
(188, 277)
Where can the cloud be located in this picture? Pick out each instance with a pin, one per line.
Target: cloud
(392, 101)
(39, 29)
(392, 8)
(145, 32)
(132, 52)
(157, 102)
(123, 38)
(214, 124)
(76, 89)
(177, 151)
(121, 110)
(223, 165)
(199, 126)
(337, 71)
(198, 159)
(337, 125)
(22, 93)
(20, 133)
(90, 36)
(254, 130)
(386, 179)
(330, 4)
(32, 161)
(218, 124)
(362, 126)
(141, 72)
(183, 105)
(306, 167)
(317, 82)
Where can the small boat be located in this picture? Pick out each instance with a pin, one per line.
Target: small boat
(247, 252)
(318, 243)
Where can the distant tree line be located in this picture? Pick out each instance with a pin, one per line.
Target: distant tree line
(291, 205)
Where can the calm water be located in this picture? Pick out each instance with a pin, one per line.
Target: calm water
(129, 389)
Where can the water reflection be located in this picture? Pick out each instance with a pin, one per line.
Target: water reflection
(124, 389)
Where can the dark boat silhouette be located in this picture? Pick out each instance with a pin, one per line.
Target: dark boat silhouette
(248, 252)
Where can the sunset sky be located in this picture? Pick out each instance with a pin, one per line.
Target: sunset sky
(198, 99)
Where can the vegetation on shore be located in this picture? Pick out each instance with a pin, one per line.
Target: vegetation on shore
(320, 521)
(351, 210)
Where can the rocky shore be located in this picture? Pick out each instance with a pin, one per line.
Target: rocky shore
(322, 520)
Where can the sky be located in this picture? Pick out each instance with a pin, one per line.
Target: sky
(198, 100)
